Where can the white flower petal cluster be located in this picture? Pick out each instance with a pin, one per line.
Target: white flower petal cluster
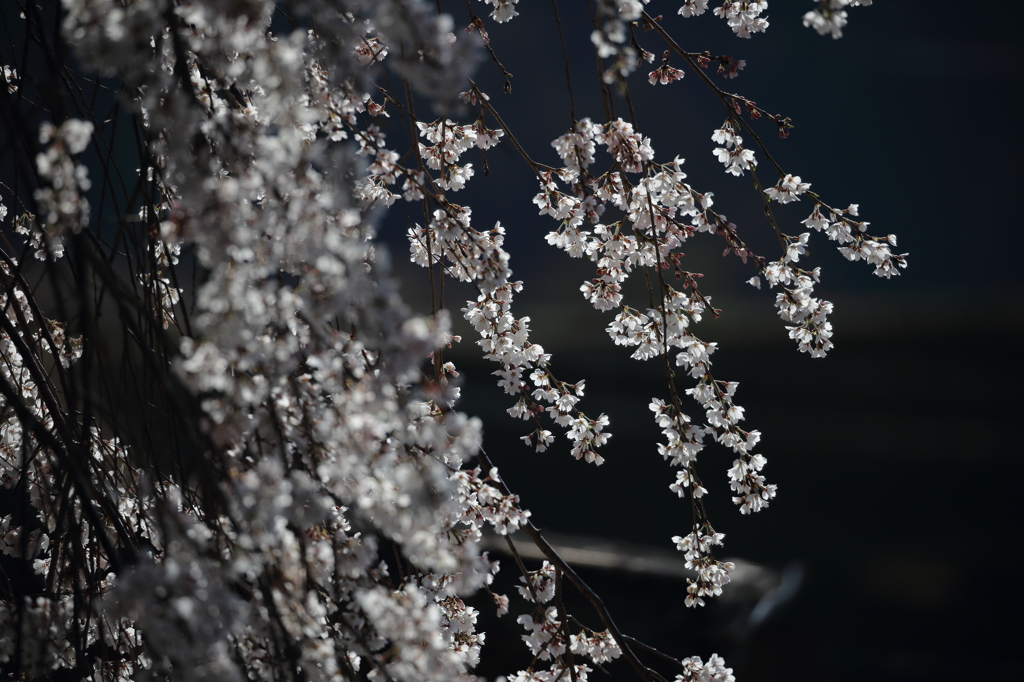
(712, 575)
(505, 340)
(480, 503)
(577, 147)
(474, 256)
(829, 16)
(855, 243)
(600, 647)
(449, 142)
(796, 304)
(63, 206)
(712, 671)
(544, 637)
(630, 149)
(11, 78)
(370, 50)
(325, 525)
(788, 189)
(649, 236)
(611, 38)
(412, 622)
(692, 8)
(746, 480)
(723, 416)
(540, 583)
(743, 16)
(683, 439)
(735, 158)
(504, 10)
(320, 430)
(665, 74)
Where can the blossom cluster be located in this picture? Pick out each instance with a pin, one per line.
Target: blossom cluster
(63, 206)
(482, 503)
(655, 206)
(611, 36)
(321, 508)
(830, 17)
(344, 445)
(449, 142)
(742, 16)
(735, 157)
(699, 671)
(548, 637)
(839, 227)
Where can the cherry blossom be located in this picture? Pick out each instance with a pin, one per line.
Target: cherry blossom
(665, 74)
(744, 17)
(788, 189)
(504, 10)
(691, 8)
(733, 155)
(830, 17)
(321, 507)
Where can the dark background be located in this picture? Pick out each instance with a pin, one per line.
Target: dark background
(896, 456)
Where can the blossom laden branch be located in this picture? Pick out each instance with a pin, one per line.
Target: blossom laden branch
(301, 497)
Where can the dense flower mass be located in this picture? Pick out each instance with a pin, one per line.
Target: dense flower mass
(279, 482)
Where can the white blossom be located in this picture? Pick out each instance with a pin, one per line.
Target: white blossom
(321, 507)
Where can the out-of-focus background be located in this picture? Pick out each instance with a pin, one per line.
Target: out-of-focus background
(895, 534)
